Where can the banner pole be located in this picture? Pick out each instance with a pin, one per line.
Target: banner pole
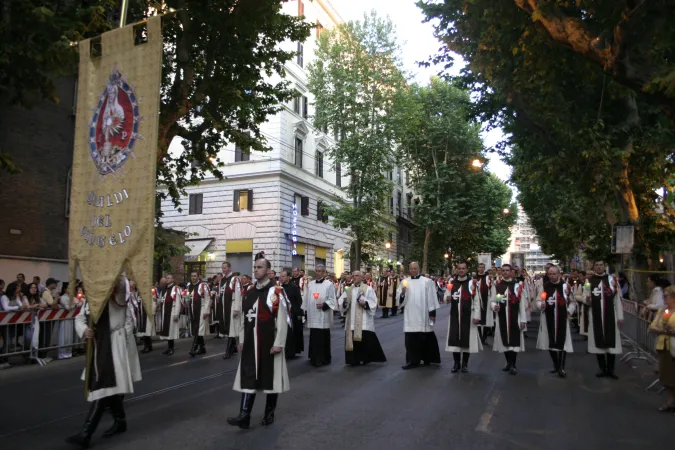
(123, 13)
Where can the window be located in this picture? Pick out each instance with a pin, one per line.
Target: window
(407, 178)
(319, 164)
(399, 174)
(338, 174)
(298, 152)
(399, 204)
(408, 200)
(391, 205)
(243, 200)
(300, 56)
(242, 154)
(324, 128)
(302, 203)
(305, 106)
(321, 214)
(296, 104)
(390, 175)
(196, 201)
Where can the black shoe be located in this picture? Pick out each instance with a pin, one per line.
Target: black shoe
(506, 368)
(243, 420)
(513, 370)
(465, 368)
(410, 366)
(79, 440)
(555, 370)
(227, 355)
(427, 363)
(270, 407)
(455, 368)
(83, 438)
(146, 350)
(612, 375)
(601, 374)
(201, 351)
(120, 420)
(562, 373)
(168, 352)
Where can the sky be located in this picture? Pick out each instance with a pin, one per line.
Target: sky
(418, 44)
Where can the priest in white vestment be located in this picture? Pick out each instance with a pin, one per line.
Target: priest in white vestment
(605, 316)
(463, 337)
(554, 300)
(509, 299)
(358, 304)
(319, 302)
(114, 366)
(417, 297)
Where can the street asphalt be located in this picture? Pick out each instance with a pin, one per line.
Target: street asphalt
(182, 403)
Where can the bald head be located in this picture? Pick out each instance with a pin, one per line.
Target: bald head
(358, 277)
(414, 269)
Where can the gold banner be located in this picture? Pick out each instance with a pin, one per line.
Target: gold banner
(112, 207)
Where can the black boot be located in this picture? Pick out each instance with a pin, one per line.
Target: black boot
(556, 361)
(456, 356)
(195, 346)
(611, 359)
(169, 348)
(603, 366)
(270, 406)
(465, 362)
(514, 358)
(147, 344)
(243, 420)
(231, 348)
(561, 371)
(394, 311)
(385, 313)
(120, 419)
(201, 345)
(507, 367)
(83, 438)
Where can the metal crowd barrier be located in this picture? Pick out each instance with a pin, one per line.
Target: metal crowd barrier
(635, 334)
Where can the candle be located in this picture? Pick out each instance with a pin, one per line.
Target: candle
(316, 295)
(666, 315)
(449, 286)
(184, 293)
(405, 283)
(587, 285)
(154, 291)
(80, 296)
(499, 298)
(543, 296)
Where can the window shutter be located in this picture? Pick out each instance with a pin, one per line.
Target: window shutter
(319, 213)
(305, 206)
(305, 106)
(250, 200)
(236, 201)
(200, 203)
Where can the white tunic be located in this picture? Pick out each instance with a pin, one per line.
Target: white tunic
(150, 319)
(203, 290)
(475, 344)
(280, 382)
(618, 316)
(317, 318)
(123, 344)
(174, 326)
(420, 299)
(522, 318)
(368, 316)
(542, 337)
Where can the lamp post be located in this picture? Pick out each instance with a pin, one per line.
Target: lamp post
(387, 245)
(477, 163)
(446, 256)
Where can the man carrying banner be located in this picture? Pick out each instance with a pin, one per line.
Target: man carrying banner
(114, 366)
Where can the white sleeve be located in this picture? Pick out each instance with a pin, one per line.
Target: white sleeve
(371, 301)
(282, 325)
(431, 294)
(657, 301)
(618, 306)
(178, 299)
(81, 322)
(331, 301)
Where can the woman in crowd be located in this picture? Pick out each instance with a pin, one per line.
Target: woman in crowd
(664, 328)
(78, 302)
(66, 327)
(655, 285)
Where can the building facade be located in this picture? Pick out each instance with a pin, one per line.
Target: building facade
(524, 242)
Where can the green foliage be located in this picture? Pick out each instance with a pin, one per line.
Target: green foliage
(168, 244)
(586, 151)
(356, 80)
(460, 204)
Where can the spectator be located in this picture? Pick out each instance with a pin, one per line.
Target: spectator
(655, 285)
(41, 287)
(46, 327)
(624, 284)
(78, 302)
(664, 328)
(65, 327)
(20, 280)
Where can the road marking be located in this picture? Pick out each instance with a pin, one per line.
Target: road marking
(512, 441)
(177, 364)
(485, 418)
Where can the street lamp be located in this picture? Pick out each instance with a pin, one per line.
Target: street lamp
(446, 256)
(477, 163)
(387, 245)
(506, 210)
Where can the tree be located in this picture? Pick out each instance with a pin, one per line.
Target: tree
(578, 139)
(356, 80)
(461, 206)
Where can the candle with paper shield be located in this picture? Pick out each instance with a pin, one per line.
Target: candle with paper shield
(666, 315)
(587, 285)
(154, 291)
(316, 296)
(449, 286)
(500, 298)
(542, 296)
(80, 297)
(405, 283)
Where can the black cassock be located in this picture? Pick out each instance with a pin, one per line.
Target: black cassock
(604, 319)
(509, 325)
(484, 297)
(555, 315)
(295, 339)
(224, 306)
(460, 314)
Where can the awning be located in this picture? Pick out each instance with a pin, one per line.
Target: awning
(197, 246)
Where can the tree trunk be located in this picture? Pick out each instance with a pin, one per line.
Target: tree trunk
(357, 254)
(425, 253)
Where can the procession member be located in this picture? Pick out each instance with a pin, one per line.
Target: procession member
(556, 305)
(299, 280)
(262, 367)
(228, 307)
(417, 295)
(170, 305)
(246, 284)
(358, 304)
(198, 302)
(508, 301)
(114, 366)
(463, 337)
(295, 341)
(605, 317)
(483, 288)
(318, 303)
(578, 293)
(387, 288)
